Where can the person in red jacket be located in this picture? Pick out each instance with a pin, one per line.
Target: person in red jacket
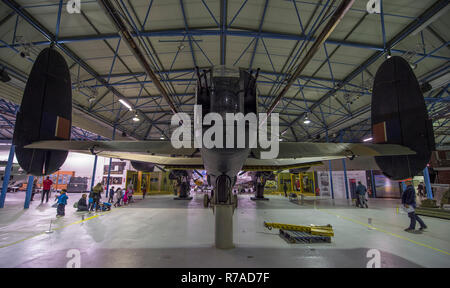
(46, 185)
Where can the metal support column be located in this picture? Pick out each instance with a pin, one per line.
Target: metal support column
(224, 226)
(6, 176)
(345, 169)
(426, 178)
(109, 167)
(345, 178)
(331, 172)
(374, 191)
(93, 172)
(29, 191)
(331, 181)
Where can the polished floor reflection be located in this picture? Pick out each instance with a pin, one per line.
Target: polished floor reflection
(161, 232)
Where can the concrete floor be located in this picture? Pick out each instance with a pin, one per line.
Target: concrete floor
(161, 232)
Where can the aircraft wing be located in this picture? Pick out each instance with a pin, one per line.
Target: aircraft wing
(190, 163)
(144, 151)
(331, 151)
(146, 147)
(287, 150)
(291, 155)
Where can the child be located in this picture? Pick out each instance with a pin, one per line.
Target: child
(125, 198)
(130, 196)
(119, 196)
(82, 205)
(105, 206)
(91, 201)
(129, 193)
(62, 202)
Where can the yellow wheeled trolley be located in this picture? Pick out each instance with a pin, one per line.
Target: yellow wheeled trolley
(312, 229)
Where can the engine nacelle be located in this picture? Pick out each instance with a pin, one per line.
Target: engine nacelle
(299, 170)
(178, 174)
(143, 166)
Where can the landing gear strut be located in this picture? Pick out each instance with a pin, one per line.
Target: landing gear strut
(259, 193)
(261, 178)
(182, 179)
(184, 192)
(224, 204)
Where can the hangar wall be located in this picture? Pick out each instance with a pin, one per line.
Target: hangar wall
(81, 164)
(324, 182)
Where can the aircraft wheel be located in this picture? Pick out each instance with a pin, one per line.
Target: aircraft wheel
(206, 201)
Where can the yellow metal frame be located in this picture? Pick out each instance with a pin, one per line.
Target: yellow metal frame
(302, 188)
(161, 188)
(313, 230)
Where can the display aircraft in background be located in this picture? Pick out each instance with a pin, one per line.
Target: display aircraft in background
(17, 176)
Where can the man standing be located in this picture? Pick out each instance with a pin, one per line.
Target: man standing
(111, 195)
(96, 196)
(285, 189)
(46, 186)
(361, 192)
(144, 190)
(409, 202)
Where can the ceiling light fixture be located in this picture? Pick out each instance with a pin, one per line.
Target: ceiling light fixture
(125, 103)
(368, 139)
(306, 121)
(389, 55)
(136, 118)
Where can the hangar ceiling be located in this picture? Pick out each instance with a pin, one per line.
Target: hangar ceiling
(334, 90)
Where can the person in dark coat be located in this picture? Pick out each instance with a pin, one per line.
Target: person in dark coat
(96, 196)
(285, 189)
(361, 192)
(409, 202)
(82, 205)
(111, 195)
